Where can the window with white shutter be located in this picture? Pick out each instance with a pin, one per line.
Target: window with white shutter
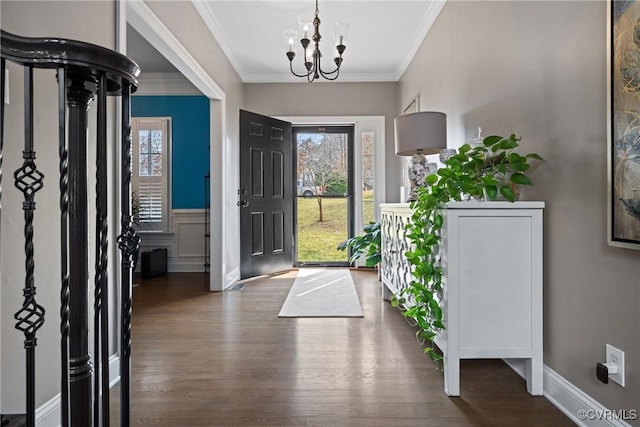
(150, 173)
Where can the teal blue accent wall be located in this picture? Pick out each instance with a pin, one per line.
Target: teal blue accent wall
(190, 143)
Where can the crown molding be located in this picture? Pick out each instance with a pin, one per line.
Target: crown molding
(421, 33)
(212, 24)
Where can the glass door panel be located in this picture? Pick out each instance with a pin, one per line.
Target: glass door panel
(324, 202)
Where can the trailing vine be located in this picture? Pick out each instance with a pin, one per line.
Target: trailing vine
(486, 172)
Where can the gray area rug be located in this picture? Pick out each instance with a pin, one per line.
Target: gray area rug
(319, 292)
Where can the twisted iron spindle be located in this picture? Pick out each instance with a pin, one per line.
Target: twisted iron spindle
(64, 237)
(128, 242)
(31, 316)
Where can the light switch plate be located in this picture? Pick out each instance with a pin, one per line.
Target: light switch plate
(616, 356)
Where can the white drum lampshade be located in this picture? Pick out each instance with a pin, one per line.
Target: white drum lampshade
(417, 134)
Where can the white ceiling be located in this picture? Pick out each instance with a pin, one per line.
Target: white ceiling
(382, 39)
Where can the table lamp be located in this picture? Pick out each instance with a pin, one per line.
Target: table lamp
(418, 134)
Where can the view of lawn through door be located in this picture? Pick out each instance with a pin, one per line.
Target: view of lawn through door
(324, 202)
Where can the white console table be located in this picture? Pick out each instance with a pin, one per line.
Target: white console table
(491, 256)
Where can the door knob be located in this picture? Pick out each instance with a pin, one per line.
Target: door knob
(243, 203)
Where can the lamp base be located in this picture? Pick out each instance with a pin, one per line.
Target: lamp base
(419, 169)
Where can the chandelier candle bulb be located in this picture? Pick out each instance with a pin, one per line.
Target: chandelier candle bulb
(290, 37)
(305, 26)
(340, 30)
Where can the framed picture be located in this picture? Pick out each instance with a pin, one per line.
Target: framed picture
(623, 33)
(413, 107)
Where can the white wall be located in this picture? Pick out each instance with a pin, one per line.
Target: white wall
(93, 22)
(538, 69)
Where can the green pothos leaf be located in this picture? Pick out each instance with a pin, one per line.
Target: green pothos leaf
(507, 193)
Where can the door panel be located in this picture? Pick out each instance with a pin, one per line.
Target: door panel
(278, 232)
(266, 195)
(277, 165)
(256, 169)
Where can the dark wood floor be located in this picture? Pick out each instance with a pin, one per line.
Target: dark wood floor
(226, 359)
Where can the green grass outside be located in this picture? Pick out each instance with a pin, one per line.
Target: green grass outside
(317, 241)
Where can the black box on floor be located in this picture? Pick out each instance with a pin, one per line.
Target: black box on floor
(154, 263)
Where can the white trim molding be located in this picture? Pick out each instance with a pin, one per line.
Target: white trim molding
(144, 21)
(581, 408)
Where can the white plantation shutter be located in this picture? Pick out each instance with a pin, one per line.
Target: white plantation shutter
(150, 170)
(150, 190)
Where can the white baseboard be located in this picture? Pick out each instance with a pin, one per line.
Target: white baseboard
(570, 399)
(114, 370)
(182, 266)
(48, 415)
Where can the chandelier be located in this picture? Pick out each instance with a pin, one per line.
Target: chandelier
(311, 51)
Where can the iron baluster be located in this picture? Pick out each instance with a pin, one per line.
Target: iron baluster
(64, 237)
(31, 316)
(128, 242)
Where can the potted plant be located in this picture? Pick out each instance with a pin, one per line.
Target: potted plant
(367, 244)
(485, 172)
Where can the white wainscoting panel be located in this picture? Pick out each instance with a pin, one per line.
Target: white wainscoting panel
(184, 244)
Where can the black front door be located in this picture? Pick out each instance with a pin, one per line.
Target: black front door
(265, 195)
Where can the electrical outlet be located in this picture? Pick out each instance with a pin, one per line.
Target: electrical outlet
(616, 356)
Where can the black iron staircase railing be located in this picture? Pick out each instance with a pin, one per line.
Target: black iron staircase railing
(84, 72)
